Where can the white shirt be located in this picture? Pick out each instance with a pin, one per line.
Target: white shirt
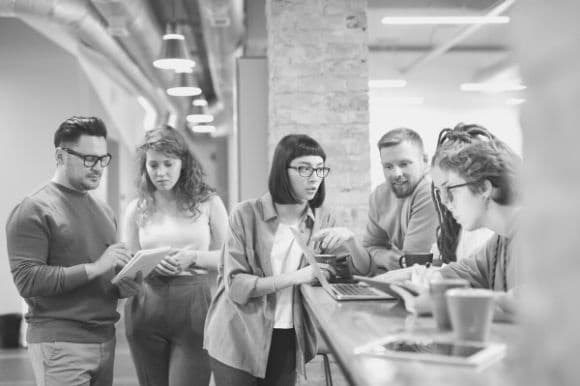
(285, 257)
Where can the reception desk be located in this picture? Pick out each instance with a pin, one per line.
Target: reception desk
(349, 324)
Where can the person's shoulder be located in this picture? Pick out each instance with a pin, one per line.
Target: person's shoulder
(41, 199)
(423, 188)
(36, 204)
(244, 207)
(132, 208)
(213, 200)
(381, 189)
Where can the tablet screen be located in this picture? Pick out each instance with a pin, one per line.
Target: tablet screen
(433, 350)
(430, 347)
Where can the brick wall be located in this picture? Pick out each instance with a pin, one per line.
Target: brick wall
(318, 82)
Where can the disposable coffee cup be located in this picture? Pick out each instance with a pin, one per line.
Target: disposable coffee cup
(471, 312)
(437, 290)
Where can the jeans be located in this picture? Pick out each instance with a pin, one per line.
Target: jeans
(73, 364)
(281, 369)
(164, 327)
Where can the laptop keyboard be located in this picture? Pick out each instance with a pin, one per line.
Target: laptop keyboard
(353, 289)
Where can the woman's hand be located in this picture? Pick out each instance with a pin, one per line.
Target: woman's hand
(329, 239)
(176, 262)
(306, 275)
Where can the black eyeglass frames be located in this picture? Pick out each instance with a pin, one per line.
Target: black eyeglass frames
(89, 161)
(306, 171)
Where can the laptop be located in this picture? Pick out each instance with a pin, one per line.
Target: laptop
(339, 291)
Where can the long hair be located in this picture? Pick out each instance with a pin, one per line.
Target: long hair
(190, 189)
(290, 147)
(476, 155)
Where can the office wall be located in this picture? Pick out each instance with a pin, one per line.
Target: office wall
(40, 86)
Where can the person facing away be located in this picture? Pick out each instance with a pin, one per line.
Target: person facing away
(257, 331)
(402, 217)
(175, 208)
(63, 254)
(475, 179)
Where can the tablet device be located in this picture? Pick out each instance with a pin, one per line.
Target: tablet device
(434, 350)
(144, 261)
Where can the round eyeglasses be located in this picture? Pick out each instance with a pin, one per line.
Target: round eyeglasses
(89, 161)
(444, 193)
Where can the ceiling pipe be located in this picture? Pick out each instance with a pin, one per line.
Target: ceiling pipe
(223, 30)
(83, 20)
(462, 35)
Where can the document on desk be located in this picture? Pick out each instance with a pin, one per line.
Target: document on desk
(144, 261)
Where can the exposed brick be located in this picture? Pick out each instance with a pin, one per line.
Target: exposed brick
(318, 72)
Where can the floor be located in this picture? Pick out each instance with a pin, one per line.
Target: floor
(15, 369)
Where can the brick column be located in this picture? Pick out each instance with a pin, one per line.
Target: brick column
(318, 82)
(547, 44)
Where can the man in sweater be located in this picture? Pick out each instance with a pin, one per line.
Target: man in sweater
(63, 254)
(402, 217)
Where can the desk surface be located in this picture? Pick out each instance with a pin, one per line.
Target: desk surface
(348, 324)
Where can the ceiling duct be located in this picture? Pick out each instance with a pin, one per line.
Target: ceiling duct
(217, 26)
(128, 54)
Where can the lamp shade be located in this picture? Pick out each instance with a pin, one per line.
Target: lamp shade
(184, 84)
(198, 114)
(174, 54)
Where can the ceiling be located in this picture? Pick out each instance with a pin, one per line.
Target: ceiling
(433, 59)
(436, 59)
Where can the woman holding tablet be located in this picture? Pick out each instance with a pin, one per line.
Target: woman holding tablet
(257, 331)
(176, 208)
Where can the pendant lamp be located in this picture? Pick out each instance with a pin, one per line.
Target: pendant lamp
(184, 84)
(174, 53)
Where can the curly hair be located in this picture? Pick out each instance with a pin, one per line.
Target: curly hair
(190, 189)
(476, 155)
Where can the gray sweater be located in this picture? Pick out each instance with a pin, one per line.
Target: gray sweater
(50, 236)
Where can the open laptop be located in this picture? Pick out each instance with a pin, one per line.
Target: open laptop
(339, 291)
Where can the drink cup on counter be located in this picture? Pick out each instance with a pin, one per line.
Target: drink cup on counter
(471, 312)
(437, 290)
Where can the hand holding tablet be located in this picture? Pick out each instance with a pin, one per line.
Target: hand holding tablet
(144, 261)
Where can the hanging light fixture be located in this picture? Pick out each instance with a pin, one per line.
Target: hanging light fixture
(184, 84)
(199, 101)
(174, 54)
(202, 128)
(199, 114)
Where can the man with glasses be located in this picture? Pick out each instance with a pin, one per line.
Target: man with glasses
(63, 254)
(402, 218)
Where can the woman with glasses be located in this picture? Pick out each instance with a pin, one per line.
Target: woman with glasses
(257, 331)
(475, 185)
(176, 208)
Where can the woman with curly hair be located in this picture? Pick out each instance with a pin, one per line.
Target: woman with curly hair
(176, 208)
(476, 185)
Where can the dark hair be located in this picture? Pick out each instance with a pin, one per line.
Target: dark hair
(477, 155)
(397, 136)
(71, 130)
(290, 147)
(190, 188)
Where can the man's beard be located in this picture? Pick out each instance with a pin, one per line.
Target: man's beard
(402, 190)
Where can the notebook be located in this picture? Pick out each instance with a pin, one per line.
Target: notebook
(339, 291)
